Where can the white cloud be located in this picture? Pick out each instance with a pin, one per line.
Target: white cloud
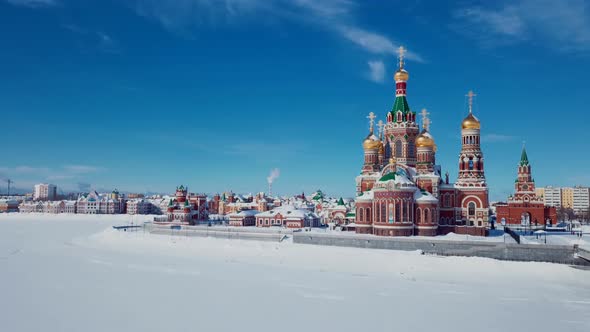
(33, 3)
(563, 25)
(376, 71)
(336, 16)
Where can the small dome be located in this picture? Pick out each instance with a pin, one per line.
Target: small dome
(425, 140)
(470, 122)
(372, 142)
(401, 75)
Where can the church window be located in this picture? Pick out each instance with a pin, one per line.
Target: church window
(383, 213)
(419, 215)
(398, 149)
(391, 213)
(471, 208)
(397, 212)
(470, 164)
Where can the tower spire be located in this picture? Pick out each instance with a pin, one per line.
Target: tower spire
(524, 158)
(470, 96)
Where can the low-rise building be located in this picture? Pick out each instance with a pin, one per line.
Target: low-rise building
(95, 203)
(287, 216)
(8, 205)
(243, 218)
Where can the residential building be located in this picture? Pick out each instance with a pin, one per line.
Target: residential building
(138, 206)
(552, 196)
(45, 192)
(567, 197)
(581, 199)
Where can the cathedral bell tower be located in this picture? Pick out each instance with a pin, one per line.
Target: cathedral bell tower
(471, 161)
(401, 129)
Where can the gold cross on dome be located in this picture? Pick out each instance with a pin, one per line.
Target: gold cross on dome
(470, 95)
(426, 124)
(371, 118)
(425, 120)
(380, 125)
(401, 51)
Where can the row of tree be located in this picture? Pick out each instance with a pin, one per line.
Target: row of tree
(569, 214)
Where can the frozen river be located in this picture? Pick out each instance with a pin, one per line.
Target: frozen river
(74, 273)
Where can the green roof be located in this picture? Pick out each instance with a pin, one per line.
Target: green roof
(170, 203)
(400, 104)
(387, 177)
(524, 159)
(340, 201)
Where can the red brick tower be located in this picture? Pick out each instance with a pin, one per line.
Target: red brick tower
(525, 208)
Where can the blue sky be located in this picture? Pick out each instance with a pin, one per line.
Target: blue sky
(144, 95)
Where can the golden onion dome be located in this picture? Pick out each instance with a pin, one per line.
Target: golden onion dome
(471, 122)
(425, 140)
(372, 142)
(401, 75)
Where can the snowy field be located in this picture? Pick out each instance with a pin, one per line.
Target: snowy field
(74, 273)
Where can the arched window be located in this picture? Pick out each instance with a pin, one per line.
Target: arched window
(368, 215)
(383, 213)
(398, 208)
(471, 207)
(427, 216)
(391, 213)
(398, 149)
(419, 216)
(361, 215)
(470, 164)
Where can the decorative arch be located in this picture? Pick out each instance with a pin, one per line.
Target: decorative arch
(467, 199)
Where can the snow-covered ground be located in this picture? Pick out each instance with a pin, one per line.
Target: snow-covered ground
(74, 273)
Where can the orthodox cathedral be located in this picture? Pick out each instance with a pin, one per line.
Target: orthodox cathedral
(400, 191)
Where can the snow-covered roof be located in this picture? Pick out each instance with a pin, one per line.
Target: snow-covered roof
(366, 196)
(424, 196)
(288, 212)
(245, 213)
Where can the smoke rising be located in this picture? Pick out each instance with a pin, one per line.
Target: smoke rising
(274, 174)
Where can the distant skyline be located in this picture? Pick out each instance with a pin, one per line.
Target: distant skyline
(145, 95)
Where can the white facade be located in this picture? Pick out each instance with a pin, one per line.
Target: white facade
(581, 199)
(48, 207)
(45, 192)
(552, 196)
